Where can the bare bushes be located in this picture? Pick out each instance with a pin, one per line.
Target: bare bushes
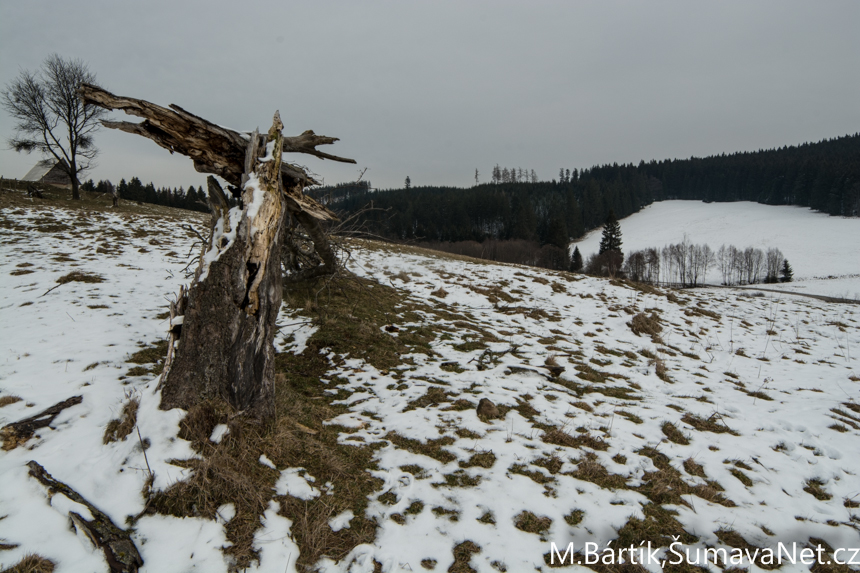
(687, 265)
(608, 264)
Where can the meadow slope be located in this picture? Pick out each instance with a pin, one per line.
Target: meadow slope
(625, 413)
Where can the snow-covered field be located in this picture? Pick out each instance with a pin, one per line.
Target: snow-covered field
(824, 251)
(750, 436)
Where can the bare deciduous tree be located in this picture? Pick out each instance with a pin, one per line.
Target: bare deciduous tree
(51, 118)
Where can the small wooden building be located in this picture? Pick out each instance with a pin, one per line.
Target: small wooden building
(49, 172)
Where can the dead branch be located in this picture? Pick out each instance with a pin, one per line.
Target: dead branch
(121, 553)
(214, 149)
(19, 432)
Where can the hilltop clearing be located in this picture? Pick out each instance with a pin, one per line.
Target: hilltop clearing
(622, 412)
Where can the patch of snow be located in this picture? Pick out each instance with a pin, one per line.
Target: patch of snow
(341, 520)
(292, 482)
(278, 552)
(218, 433)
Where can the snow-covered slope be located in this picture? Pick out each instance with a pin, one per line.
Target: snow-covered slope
(817, 246)
(749, 434)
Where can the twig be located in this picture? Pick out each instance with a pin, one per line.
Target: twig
(143, 449)
(50, 289)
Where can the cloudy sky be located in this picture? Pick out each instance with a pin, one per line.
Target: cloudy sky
(434, 90)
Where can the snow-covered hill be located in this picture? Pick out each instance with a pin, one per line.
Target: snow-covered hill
(724, 419)
(822, 250)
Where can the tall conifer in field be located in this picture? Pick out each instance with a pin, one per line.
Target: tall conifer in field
(611, 240)
(576, 261)
(786, 272)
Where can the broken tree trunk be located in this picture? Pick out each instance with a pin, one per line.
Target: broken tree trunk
(223, 326)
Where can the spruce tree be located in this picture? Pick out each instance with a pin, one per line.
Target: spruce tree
(576, 261)
(611, 240)
(786, 272)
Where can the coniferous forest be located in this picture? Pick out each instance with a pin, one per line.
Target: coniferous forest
(517, 211)
(192, 199)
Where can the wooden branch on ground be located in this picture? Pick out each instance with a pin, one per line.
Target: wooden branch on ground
(121, 553)
(19, 432)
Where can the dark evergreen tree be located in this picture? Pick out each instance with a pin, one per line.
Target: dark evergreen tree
(408, 182)
(576, 261)
(611, 240)
(786, 273)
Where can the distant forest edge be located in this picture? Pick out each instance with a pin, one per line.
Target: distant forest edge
(517, 211)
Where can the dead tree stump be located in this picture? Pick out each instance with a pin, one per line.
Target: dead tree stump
(223, 326)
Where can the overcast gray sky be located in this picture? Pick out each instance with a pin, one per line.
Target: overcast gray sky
(437, 89)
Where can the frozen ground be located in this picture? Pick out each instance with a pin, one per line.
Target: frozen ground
(823, 250)
(749, 437)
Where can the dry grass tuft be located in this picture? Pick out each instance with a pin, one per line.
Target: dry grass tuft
(430, 448)
(661, 370)
(590, 469)
(535, 476)
(462, 555)
(531, 523)
(815, 487)
(709, 425)
(481, 460)
(658, 526)
(439, 293)
(736, 540)
(6, 400)
(694, 469)
(32, 563)
(574, 518)
(742, 477)
(80, 277)
(559, 437)
(119, 428)
(666, 485)
(646, 324)
(672, 432)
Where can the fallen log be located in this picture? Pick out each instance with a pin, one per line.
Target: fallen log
(120, 551)
(17, 433)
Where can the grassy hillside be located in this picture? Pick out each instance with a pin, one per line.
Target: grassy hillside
(621, 413)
